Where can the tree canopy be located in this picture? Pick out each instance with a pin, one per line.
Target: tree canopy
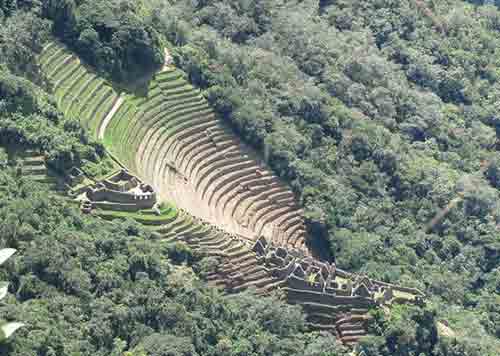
(382, 115)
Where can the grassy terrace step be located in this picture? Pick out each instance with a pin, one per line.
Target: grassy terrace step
(88, 95)
(42, 178)
(47, 53)
(33, 160)
(317, 308)
(56, 58)
(146, 217)
(115, 130)
(172, 227)
(221, 244)
(215, 238)
(161, 107)
(55, 70)
(80, 94)
(183, 226)
(314, 326)
(96, 102)
(35, 170)
(66, 73)
(132, 128)
(259, 283)
(168, 123)
(188, 118)
(168, 75)
(120, 128)
(68, 88)
(172, 85)
(73, 99)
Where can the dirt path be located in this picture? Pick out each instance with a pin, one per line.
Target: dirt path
(110, 115)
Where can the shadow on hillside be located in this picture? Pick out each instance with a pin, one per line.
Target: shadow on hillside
(318, 243)
(137, 85)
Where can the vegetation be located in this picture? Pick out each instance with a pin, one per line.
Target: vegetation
(381, 115)
(28, 114)
(87, 287)
(113, 36)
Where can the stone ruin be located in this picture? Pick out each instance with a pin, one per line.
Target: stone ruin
(120, 192)
(320, 286)
(306, 273)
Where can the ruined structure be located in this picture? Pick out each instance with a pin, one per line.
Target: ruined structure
(228, 204)
(120, 192)
(334, 300)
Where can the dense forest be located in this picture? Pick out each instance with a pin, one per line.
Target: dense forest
(383, 116)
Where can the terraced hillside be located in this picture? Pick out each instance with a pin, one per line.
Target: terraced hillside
(31, 164)
(80, 93)
(334, 300)
(196, 162)
(189, 179)
(171, 139)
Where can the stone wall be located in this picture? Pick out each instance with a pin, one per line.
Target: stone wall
(306, 274)
(122, 192)
(105, 205)
(103, 194)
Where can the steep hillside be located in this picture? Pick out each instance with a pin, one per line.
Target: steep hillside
(183, 154)
(383, 118)
(172, 140)
(338, 155)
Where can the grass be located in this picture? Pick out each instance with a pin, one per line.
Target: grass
(79, 92)
(167, 104)
(125, 130)
(65, 60)
(82, 86)
(66, 73)
(163, 128)
(119, 133)
(115, 127)
(89, 98)
(80, 99)
(171, 94)
(65, 90)
(118, 129)
(176, 111)
(173, 130)
(173, 112)
(173, 84)
(53, 60)
(161, 141)
(45, 56)
(146, 216)
(168, 76)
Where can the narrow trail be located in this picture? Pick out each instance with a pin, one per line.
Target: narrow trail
(109, 117)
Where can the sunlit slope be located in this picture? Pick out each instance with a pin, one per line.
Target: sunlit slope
(80, 93)
(171, 139)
